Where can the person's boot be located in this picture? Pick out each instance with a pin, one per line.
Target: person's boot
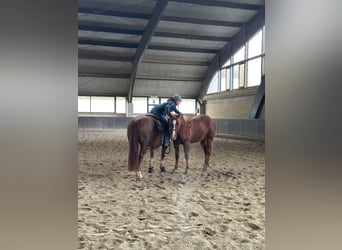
(166, 142)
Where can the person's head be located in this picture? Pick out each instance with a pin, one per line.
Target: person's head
(177, 98)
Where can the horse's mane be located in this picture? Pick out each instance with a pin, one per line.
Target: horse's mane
(183, 120)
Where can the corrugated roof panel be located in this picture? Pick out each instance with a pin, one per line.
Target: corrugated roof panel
(208, 12)
(131, 5)
(112, 21)
(118, 51)
(187, 43)
(195, 29)
(112, 36)
(174, 55)
(103, 85)
(171, 71)
(256, 2)
(166, 88)
(104, 66)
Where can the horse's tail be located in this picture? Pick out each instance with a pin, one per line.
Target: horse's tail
(133, 151)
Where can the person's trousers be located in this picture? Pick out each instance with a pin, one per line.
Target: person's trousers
(165, 123)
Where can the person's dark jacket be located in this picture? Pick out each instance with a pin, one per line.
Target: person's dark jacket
(165, 108)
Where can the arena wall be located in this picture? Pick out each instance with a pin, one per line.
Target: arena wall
(230, 110)
(236, 104)
(233, 128)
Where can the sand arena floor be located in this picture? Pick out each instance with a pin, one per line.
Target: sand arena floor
(223, 208)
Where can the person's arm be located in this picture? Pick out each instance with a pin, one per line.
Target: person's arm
(177, 111)
(174, 108)
(168, 109)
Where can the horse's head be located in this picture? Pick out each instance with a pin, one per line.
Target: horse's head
(176, 124)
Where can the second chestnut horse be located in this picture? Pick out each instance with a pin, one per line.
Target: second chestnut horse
(200, 128)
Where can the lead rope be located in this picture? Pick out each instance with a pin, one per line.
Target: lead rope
(169, 150)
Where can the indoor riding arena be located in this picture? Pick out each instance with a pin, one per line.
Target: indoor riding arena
(134, 55)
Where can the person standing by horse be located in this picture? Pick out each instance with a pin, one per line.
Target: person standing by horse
(163, 112)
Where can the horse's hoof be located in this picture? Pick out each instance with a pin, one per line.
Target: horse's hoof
(150, 169)
(162, 169)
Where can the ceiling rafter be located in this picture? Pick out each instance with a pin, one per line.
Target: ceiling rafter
(82, 54)
(158, 11)
(109, 43)
(97, 28)
(175, 62)
(170, 78)
(201, 21)
(215, 3)
(103, 75)
(183, 49)
(193, 37)
(96, 11)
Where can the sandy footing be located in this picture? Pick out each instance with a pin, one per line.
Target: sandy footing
(222, 208)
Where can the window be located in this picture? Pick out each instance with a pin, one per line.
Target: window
(84, 104)
(254, 72)
(228, 78)
(239, 55)
(242, 75)
(120, 105)
(240, 70)
(139, 105)
(213, 87)
(239, 76)
(188, 106)
(102, 104)
(255, 45)
(152, 101)
(162, 100)
(236, 77)
(227, 63)
(263, 39)
(224, 85)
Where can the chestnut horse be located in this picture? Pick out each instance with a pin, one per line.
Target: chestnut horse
(144, 133)
(200, 128)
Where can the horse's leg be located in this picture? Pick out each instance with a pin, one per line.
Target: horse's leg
(150, 165)
(186, 155)
(176, 146)
(210, 148)
(141, 158)
(204, 144)
(162, 159)
(138, 175)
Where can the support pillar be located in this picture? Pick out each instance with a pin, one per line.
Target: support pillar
(202, 107)
(129, 109)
